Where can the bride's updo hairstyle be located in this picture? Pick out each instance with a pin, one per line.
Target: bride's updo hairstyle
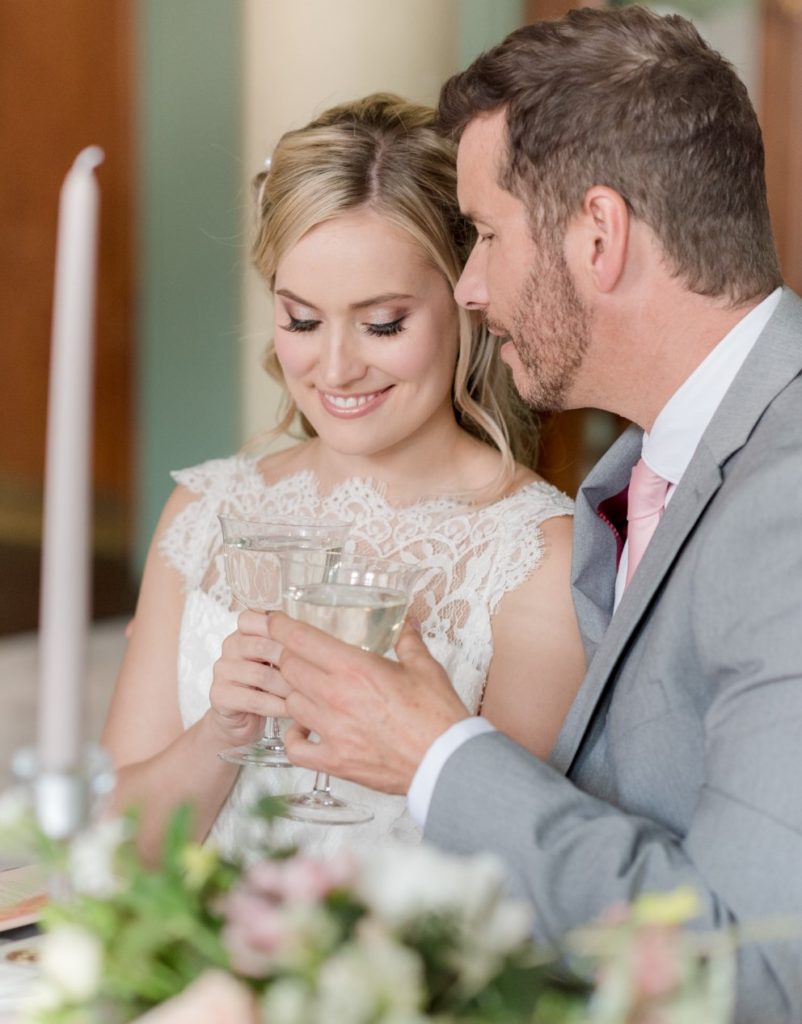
(382, 153)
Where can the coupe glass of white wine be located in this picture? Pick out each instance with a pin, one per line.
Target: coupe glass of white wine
(360, 600)
(253, 572)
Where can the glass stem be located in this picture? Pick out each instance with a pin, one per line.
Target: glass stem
(322, 787)
(273, 729)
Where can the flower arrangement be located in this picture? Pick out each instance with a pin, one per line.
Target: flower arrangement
(406, 936)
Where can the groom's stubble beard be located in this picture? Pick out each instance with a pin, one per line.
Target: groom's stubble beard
(550, 328)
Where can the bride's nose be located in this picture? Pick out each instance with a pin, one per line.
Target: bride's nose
(341, 361)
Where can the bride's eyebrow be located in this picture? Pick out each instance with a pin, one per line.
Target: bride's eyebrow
(377, 300)
(287, 294)
(374, 300)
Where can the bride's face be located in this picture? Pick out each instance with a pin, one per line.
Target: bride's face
(366, 332)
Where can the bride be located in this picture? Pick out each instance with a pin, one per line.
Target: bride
(411, 432)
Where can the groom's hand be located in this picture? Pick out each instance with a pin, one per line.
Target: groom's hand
(375, 718)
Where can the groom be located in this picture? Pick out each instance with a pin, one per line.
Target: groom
(613, 167)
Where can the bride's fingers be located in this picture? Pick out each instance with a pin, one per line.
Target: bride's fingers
(276, 683)
(255, 648)
(254, 674)
(238, 698)
(253, 622)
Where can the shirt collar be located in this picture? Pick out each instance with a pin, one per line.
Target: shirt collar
(684, 418)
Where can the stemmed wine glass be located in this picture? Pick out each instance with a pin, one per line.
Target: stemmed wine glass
(253, 572)
(362, 601)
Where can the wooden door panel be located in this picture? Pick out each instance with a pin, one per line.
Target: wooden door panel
(66, 81)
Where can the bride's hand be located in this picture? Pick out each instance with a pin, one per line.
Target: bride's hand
(246, 687)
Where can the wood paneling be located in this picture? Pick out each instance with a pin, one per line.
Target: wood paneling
(548, 10)
(781, 119)
(65, 82)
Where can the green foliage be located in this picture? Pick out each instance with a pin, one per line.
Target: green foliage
(159, 930)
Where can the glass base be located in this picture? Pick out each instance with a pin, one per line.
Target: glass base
(265, 753)
(321, 808)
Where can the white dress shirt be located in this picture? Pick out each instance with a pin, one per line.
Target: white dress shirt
(667, 450)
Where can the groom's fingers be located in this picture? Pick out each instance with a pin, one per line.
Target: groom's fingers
(409, 647)
(301, 750)
(312, 644)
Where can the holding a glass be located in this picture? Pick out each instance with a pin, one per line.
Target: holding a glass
(361, 601)
(251, 551)
(408, 432)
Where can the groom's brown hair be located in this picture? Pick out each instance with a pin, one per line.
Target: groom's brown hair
(639, 103)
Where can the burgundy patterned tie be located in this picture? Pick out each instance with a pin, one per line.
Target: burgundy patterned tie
(645, 503)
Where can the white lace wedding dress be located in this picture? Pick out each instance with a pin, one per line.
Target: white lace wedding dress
(473, 556)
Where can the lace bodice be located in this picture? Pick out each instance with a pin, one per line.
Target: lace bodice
(473, 555)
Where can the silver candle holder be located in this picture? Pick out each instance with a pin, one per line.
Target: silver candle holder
(66, 802)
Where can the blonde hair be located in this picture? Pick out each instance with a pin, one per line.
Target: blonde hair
(382, 153)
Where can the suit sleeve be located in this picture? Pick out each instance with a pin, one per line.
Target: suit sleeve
(573, 855)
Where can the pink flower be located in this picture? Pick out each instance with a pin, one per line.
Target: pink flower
(300, 879)
(656, 961)
(255, 929)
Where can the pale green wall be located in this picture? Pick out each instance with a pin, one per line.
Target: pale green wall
(191, 247)
(189, 243)
(483, 23)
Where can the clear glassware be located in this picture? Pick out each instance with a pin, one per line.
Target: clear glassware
(253, 572)
(362, 601)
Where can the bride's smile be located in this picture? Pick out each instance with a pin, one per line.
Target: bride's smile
(352, 405)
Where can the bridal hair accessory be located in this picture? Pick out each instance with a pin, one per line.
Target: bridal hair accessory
(268, 162)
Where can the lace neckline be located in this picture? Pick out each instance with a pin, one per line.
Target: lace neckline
(306, 483)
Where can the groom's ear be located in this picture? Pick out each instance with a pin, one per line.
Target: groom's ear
(601, 237)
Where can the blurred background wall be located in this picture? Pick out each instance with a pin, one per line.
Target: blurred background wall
(187, 97)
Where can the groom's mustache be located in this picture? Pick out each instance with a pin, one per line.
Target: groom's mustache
(496, 328)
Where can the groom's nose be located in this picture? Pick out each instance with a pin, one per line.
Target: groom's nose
(471, 289)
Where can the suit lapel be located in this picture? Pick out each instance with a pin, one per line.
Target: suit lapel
(700, 483)
(593, 566)
(775, 360)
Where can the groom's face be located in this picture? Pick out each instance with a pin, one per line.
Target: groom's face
(524, 288)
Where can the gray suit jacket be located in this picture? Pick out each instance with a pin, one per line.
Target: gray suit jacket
(681, 759)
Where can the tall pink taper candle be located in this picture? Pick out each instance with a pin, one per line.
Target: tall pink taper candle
(66, 567)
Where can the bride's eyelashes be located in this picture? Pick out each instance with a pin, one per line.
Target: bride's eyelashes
(388, 328)
(300, 326)
(380, 330)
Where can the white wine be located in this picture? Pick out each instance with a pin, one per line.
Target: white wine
(368, 617)
(253, 566)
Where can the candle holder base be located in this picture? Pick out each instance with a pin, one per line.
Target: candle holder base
(65, 802)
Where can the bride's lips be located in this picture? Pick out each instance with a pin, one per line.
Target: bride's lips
(350, 406)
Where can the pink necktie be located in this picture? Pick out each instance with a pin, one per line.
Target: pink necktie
(645, 503)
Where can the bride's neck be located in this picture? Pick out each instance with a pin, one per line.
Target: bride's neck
(448, 463)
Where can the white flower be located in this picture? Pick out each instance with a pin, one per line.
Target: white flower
(71, 959)
(367, 978)
(287, 1001)
(402, 884)
(306, 930)
(91, 858)
(508, 925)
